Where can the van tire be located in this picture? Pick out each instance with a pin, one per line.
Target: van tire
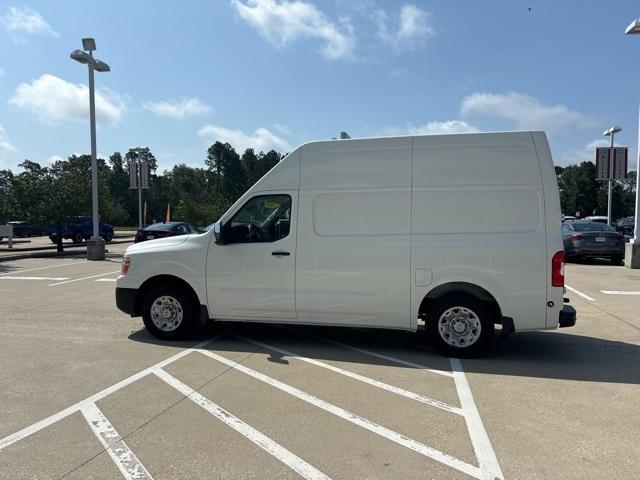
(178, 303)
(77, 237)
(471, 312)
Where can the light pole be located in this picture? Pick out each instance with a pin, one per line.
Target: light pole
(610, 133)
(632, 253)
(95, 245)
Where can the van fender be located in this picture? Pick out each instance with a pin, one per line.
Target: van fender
(480, 286)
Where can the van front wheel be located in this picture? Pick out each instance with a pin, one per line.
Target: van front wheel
(167, 313)
(460, 326)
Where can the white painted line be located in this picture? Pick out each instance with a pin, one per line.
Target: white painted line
(620, 292)
(51, 279)
(106, 280)
(285, 456)
(362, 378)
(83, 278)
(396, 437)
(126, 461)
(36, 427)
(42, 268)
(577, 292)
(485, 454)
(373, 354)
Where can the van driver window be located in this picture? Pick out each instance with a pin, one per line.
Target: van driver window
(262, 219)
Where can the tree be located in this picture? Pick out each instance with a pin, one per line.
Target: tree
(229, 175)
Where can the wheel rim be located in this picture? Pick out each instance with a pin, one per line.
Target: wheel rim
(166, 313)
(459, 327)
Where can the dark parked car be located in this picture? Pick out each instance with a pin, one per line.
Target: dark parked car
(626, 226)
(162, 230)
(24, 229)
(585, 239)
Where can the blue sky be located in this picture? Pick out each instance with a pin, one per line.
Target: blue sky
(274, 74)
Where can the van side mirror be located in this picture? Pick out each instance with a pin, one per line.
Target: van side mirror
(217, 233)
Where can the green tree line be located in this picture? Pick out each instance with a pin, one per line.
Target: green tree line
(199, 195)
(581, 193)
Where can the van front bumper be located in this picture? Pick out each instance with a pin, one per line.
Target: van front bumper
(126, 300)
(567, 316)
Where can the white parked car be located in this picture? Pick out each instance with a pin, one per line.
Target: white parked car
(462, 231)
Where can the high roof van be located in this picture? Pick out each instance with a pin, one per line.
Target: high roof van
(461, 232)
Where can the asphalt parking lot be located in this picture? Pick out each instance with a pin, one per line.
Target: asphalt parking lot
(85, 392)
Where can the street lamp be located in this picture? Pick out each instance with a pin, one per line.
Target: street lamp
(632, 254)
(95, 245)
(610, 133)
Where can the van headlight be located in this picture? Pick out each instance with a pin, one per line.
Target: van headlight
(126, 263)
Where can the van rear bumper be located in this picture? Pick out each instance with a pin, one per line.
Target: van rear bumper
(567, 317)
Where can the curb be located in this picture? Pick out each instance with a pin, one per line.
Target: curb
(46, 254)
(50, 248)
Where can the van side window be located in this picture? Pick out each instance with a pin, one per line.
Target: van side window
(265, 218)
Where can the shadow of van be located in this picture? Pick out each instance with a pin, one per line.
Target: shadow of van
(552, 354)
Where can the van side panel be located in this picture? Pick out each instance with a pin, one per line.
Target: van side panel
(553, 222)
(478, 217)
(352, 262)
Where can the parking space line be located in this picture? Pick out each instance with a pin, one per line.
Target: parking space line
(477, 433)
(126, 461)
(50, 420)
(384, 432)
(50, 279)
(489, 466)
(83, 278)
(292, 461)
(106, 280)
(619, 292)
(42, 268)
(579, 293)
(372, 353)
(361, 378)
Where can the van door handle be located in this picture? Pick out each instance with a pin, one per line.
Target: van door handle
(280, 254)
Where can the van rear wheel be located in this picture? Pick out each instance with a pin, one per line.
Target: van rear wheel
(168, 313)
(460, 325)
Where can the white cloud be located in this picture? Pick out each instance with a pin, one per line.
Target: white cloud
(5, 145)
(432, 128)
(527, 112)
(178, 109)
(261, 140)
(25, 21)
(282, 129)
(283, 22)
(587, 153)
(54, 100)
(414, 27)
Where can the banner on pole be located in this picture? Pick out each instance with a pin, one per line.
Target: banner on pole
(611, 163)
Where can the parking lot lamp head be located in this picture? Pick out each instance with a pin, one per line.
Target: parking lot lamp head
(633, 28)
(611, 131)
(80, 56)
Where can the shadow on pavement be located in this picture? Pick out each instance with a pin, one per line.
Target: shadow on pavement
(6, 268)
(551, 355)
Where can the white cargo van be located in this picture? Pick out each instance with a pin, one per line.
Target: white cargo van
(462, 231)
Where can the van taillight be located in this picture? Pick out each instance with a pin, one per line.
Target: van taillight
(557, 269)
